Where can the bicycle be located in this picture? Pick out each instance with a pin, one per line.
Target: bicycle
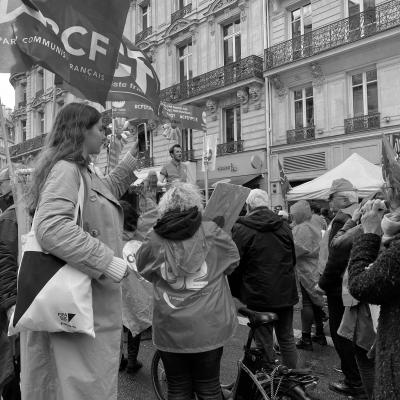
(255, 380)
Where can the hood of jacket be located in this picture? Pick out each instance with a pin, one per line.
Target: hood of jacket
(262, 219)
(186, 257)
(184, 241)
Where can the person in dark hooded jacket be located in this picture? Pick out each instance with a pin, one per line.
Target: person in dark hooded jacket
(194, 315)
(265, 279)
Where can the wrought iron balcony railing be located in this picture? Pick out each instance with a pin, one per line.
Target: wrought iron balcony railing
(39, 93)
(143, 34)
(300, 134)
(188, 155)
(363, 123)
(348, 30)
(28, 146)
(181, 13)
(249, 67)
(144, 160)
(230, 147)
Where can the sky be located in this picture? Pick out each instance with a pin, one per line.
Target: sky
(6, 91)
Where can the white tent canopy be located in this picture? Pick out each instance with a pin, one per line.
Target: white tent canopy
(365, 177)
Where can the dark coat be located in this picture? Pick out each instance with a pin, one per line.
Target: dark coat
(265, 279)
(8, 258)
(379, 283)
(8, 287)
(332, 277)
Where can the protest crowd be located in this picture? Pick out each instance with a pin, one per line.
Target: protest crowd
(178, 272)
(97, 272)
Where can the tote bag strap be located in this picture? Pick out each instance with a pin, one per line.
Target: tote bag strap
(78, 208)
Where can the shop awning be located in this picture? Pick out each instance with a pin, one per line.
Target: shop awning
(234, 180)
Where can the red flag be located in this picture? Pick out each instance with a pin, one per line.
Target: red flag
(136, 81)
(78, 40)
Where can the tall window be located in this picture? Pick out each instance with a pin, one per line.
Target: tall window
(232, 45)
(303, 108)
(362, 17)
(144, 140)
(1, 142)
(187, 139)
(301, 27)
(232, 124)
(185, 62)
(365, 93)
(41, 121)
(40, 80)
(23, 130)
(145, 16)
(179, 4)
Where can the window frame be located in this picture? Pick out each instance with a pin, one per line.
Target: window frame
(301, 8)
(188, 57)
(237, 116)
(145, 15)
(233, 37)
(364, 85)
(304, 99)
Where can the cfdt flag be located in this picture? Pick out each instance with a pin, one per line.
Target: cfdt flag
(135, 80)
(78, 40)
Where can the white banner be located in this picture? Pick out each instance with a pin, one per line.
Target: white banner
(209, 152)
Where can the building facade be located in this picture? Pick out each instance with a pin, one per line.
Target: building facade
(333, 71)
(206, 53)
(10, 136)
(209, 54)
(301, 84)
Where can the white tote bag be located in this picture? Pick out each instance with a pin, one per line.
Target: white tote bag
(51, 295)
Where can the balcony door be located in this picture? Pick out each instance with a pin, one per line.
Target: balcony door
(232, 131)
(301, 29)
(145, 11)
(185, 62)
(232, 42)
(303, 108)
(362, 18)
(179, 4)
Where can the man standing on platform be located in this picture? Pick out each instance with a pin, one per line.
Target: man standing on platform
(174, 170)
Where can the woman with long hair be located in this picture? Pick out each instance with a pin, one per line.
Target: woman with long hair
(63, 366)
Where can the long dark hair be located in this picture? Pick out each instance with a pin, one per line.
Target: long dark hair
(64, 142)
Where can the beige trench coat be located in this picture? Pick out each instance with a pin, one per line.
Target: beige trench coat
(63, 366)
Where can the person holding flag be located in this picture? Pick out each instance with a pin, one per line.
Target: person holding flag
(65, 366)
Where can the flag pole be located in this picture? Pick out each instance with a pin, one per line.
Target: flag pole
(205, 162)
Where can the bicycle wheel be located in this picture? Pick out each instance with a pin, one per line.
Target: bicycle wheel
(158, 377)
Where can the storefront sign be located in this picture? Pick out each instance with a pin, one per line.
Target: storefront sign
(231, 167)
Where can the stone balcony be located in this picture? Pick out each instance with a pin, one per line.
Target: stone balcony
(245, 69)
(357, 27)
